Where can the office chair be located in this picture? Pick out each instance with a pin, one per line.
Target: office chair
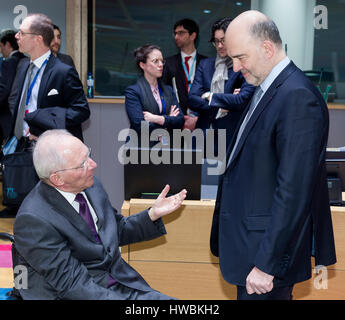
(14, 293)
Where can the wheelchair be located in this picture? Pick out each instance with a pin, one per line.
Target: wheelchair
(14, 293)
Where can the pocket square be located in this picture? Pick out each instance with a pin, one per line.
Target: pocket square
(53, 92)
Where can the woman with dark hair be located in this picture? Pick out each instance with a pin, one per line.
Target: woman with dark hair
(150, 100)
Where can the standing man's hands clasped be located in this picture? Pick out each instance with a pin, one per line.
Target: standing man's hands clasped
(164, 205)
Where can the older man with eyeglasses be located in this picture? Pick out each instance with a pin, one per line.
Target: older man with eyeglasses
(68, 235)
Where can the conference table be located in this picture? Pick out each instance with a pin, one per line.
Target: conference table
(181, 264)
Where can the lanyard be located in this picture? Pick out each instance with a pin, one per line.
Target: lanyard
(188, 74)
(28, 96)
(162, 98)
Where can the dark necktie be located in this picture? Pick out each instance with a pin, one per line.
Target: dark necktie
(18, 129)
(187, 67)
(256, 97)
(85, 213)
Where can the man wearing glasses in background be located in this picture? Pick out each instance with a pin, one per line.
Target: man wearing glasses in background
(179, 69)
(218, 94)
(50, 94)
(68, 235)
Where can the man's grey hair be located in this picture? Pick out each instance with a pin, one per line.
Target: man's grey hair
(266, 30)
(47, 155)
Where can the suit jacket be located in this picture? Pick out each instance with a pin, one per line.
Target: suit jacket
(173, 68)
(272, 200)
(70, 100)
(227, 100)
(63, 259)
(135, 107)
(65, 58)
(7, 75)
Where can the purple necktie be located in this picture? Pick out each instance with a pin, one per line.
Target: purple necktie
(85, 213)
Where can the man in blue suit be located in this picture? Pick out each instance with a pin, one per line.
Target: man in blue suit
(50, 93)
(213, 93)
(272, 210)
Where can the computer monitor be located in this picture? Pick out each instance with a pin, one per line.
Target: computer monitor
(147, 180)
(335, 166)
(336, 169)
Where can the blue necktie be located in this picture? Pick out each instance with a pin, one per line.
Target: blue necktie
(256, 97)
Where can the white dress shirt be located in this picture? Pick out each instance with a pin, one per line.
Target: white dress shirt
(32, 105)
(70, 197)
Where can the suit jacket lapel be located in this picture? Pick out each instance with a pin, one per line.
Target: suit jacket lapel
(265, 100)
(21, 80)
(61, 205)
(180, 73)
(97, 202)
(45, 79)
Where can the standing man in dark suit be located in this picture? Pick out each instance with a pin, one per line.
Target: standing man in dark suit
(68, 234)
(51, 95)
(272, 211)
(219, 94)
(179, 70)
(55, 47)
(9, 50)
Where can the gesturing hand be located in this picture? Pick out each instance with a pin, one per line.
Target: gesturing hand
(164, 205)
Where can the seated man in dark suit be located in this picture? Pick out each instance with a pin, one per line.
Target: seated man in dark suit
(68, 235)
(9, 50)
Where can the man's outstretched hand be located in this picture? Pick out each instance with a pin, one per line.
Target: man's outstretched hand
(164, 205)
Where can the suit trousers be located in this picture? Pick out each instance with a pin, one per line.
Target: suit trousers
(280, 293)
(133, 294)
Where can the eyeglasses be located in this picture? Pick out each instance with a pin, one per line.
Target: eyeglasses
(179, 33)
(216, 42)
(83, 166)
(157, 61)
(22, 33)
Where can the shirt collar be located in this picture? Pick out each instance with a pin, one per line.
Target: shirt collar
(69, 196)
(39, 61)
(154, 88)
(274, 74)
(12, 53)
(193, 54)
